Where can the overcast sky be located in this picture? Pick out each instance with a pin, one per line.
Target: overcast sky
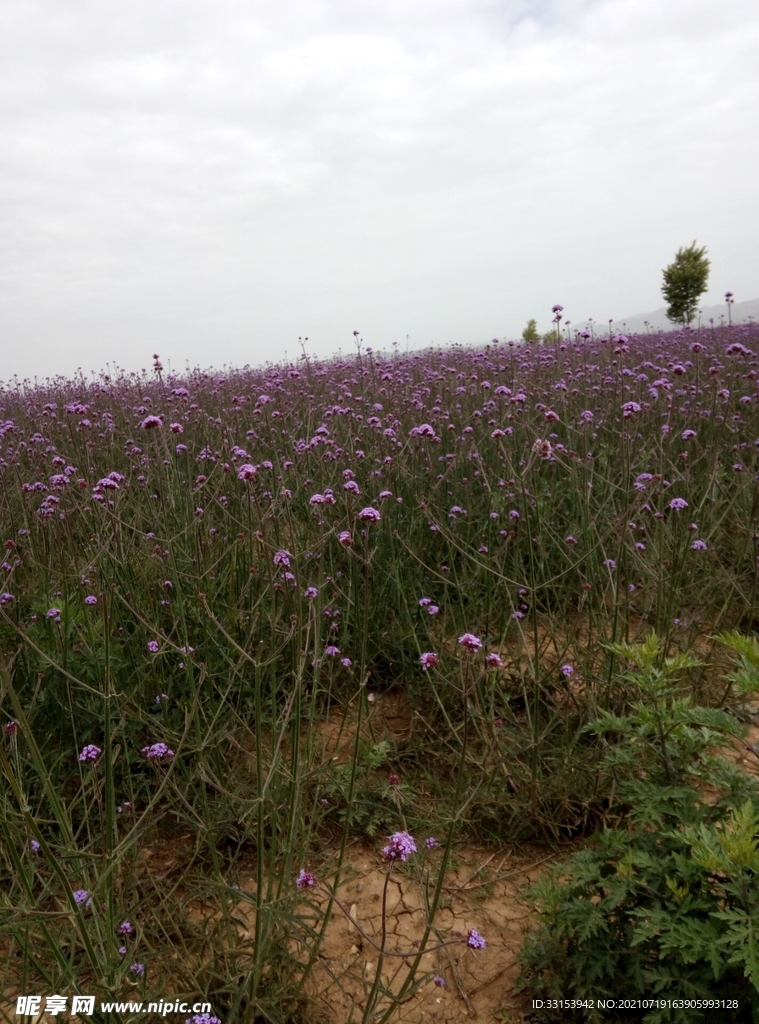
(210, 180)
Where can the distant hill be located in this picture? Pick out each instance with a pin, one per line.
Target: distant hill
(658, 319)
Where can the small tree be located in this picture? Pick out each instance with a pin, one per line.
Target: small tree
(685, 282)
(531, 333)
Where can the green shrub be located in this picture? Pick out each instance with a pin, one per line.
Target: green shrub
(662, 906)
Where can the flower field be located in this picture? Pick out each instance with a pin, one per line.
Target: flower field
(212, 584)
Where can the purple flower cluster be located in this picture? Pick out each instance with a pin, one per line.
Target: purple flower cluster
(401, 846)
(157, 752)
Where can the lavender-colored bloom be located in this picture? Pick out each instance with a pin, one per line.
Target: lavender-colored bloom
(122, 950)
(157, 752)
(202, 1018)
(332, 650)
(567, 670)
(161, 697)
(305, 879)
(370, 515)
(430, 842)
(570, 540)
(433, 609)
(90, 753)
(471, 642)
(493, 660)
(474, 940)
(82, 898)
(678, 504)
(246, 472)
(401, 846)
(54, 613)
(125, 928)
(11, 728)
(345, 538)
(34, 846)
(439, 981)
(6, 598)
(688, 434)
(428, 660)
(346, 663)
(610, 563)
(311, 593)
(424, 601)
(153, 646)
(90, 599)
(282, 558)
(151, 422)
(138, 969)
(699, 545)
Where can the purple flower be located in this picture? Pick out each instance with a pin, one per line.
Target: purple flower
(125, 928)
(424, 601)
(157, 752)
(202, 1018)
(567, 670)
(332, 650)
(401, 845)
(246, 472)
(610, 563)
(153, 646)
(430, 842)
(346, 663)
(433, 609)
(493, 660)
(90, 753)
(429, 659)
(688, 434)
(310, 593)
(370, 515)
(570, 540)
(345, 538)
(34, 846)
(678, 504)
(282, 558)
(90, 599)
(471, 642)
(10, 728)
(54, 613)
(150, 422)
(699, 545)
(439, 981)
(6, 598)
(82, 898)
(305, 879)
(138, 969)
(474, 940)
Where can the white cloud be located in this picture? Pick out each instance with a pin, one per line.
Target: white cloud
(216, 180)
